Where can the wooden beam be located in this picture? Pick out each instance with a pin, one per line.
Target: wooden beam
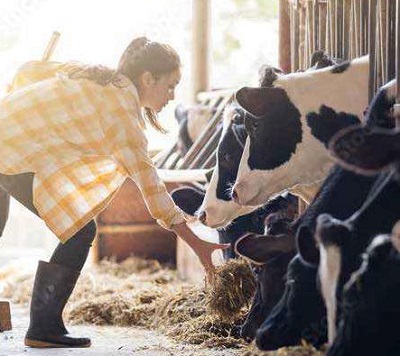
(5, 316)
(201, 46)
(284, 36)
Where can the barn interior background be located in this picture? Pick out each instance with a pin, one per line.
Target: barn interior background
(222, 44)
(26, 26)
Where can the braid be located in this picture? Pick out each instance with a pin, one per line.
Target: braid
(134, 53)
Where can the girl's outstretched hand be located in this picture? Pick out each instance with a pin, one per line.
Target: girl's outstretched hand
(203, 249)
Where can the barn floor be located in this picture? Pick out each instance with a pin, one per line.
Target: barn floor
(108, 341)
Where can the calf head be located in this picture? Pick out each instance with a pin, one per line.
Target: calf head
(272, 255)
(289, 124)
(371, 306)
(298, 315)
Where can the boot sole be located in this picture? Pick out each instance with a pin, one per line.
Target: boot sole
(45, 344)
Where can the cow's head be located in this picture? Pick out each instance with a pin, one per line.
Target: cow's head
(218, 208)
(272, 255)
(298, 315)
(371, 306)
(289, 126)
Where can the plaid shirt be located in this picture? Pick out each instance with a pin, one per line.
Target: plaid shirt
(82, 140)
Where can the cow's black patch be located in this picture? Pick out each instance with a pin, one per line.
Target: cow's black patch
(275, 135)
(298, 315)
(340, 68)
(327, 122)
(230, 150)
(188, 199)
(380, 111)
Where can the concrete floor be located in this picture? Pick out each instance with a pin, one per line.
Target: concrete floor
(106, 341)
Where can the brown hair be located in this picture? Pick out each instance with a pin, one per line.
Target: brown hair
(141, 55)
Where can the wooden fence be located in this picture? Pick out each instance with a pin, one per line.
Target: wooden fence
(345, 29)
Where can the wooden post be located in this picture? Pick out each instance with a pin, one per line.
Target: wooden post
(51, 46)
(284, 36)
(201, 47)
(5, 316)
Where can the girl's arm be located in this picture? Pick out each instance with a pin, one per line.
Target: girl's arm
(203, 249)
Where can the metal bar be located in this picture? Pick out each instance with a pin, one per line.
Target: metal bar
(211, 161)
(206, 135)
(372, 47)
(164, 158)
(398, 52)
(207, 150)
(346, 35)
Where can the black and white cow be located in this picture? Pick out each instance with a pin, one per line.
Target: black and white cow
(342, 242)
(218, 208)
(371, 303)
(271, 255)
(290, 124)
(341, 194)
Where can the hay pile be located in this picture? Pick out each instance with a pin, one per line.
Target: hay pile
(305, 350)
(233, 288)
(144, 293)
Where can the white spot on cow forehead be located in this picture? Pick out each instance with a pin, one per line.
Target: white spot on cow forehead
(329, 271)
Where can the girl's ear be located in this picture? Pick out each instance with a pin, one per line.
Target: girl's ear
(147, 79)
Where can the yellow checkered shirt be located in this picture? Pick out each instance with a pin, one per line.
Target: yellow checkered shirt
(82, 140)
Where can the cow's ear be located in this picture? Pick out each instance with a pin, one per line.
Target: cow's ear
(188, 199)
(306, 246)
(259, 249)
(257, 101)
(379, 250)
(325, 124)
(181, 113)
(366, 150)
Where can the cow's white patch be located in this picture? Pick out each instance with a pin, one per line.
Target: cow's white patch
(220, 213)
(329, 271)
(347, 92)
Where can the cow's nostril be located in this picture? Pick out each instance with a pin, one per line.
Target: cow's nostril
(203, 217)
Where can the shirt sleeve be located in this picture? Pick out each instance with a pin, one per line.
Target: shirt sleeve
(130, 150)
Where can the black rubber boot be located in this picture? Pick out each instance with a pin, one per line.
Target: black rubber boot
(52, 288)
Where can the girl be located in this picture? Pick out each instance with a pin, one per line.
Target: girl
(67, 144)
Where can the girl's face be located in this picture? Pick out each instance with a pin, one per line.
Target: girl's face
(155, 93)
